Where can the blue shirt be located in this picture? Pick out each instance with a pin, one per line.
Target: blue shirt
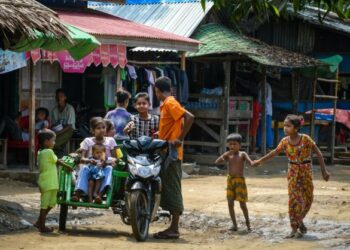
(120, 118)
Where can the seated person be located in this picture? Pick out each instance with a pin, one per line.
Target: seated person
(41, 122)
(98, 129)
(96, 162)
(63, 119)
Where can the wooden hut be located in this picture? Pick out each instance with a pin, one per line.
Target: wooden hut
(222, 45)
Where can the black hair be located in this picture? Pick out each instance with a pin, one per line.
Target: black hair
(44, 110)
(122, 96)
(95, 121)
(163, 84)
(60, 90)
(295, 120)
(234, 137)
(109, 124)
(43, 135)
(142, 95)
(98, 146)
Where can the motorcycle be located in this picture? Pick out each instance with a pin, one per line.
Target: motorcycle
(143, 186)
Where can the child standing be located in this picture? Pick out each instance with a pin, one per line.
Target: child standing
(298, 149)
(120, 116)
(98, 129)
(236, 186)
(48, 179)
(142, 124)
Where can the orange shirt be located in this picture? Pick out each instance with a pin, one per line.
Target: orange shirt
(171, 121)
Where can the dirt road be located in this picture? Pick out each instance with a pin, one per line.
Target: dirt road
(205, 222)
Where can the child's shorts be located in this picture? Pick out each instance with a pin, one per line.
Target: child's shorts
(236, 189)
(48, 199)
(96, 173)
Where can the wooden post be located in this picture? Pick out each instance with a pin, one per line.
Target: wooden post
(183, 60)
(334, 118)
(295, 91)
(31, 118)
(312, 123)
(227, 70)
(263, 115)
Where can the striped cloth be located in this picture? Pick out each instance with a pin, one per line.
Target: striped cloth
(144, 127)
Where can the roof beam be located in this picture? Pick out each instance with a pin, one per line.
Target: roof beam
(142, 42)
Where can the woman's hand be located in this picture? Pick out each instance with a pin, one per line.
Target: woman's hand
(325, 175)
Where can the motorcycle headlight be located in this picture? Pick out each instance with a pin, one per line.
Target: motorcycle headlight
(144, 171)
(156, 170)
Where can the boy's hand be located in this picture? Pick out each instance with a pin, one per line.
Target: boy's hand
(325, 175)
(176, 142)
(256, 163)
(93, 162)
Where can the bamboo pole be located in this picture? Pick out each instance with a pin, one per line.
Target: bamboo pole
(31, 118)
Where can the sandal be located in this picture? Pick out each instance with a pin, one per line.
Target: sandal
(165, 236)
(302, 228)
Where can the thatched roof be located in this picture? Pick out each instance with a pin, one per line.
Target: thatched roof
(20, 17)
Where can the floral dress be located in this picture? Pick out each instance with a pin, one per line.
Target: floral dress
(300, 186)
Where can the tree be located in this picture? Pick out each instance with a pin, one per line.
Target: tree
(262, 9)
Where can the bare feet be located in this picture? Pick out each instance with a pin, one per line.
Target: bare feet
(294, 234)
(249, 229)
(233, 228)
(98, 199)
(45, 229)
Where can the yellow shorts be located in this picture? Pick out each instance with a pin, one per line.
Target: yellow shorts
(48, 199)
(236, 189)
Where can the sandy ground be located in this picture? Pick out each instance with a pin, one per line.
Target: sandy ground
(204, 224)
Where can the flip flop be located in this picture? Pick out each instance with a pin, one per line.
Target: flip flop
(166, 236)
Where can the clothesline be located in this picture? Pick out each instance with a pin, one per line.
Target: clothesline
(152, 62)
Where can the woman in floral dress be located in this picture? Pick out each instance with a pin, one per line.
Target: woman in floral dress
(298, 149)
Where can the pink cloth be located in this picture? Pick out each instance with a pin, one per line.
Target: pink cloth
(109, 143)
(342, 115)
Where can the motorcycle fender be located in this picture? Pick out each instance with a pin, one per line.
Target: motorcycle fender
(138, 186)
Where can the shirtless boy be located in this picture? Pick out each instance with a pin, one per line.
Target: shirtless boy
(236, 186)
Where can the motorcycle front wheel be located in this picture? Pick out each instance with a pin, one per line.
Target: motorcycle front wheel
(139, 215)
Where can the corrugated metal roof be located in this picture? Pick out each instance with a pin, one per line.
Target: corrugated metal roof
(178, 18)
(104, 25)
(218, 40)
(331, 21)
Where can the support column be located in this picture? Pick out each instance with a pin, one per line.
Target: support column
(183, 60)
(227, 70)
(31, 152)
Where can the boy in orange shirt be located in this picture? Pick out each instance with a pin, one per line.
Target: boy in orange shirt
(175, 122)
